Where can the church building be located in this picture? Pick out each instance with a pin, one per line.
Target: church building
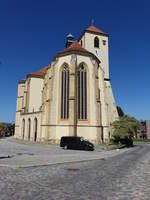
(72, 96)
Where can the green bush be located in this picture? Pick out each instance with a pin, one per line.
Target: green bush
(124, 130)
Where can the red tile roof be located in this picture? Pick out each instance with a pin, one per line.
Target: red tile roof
(41, 72)
(75, 46)
(94, 29)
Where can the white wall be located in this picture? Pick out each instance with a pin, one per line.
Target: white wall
(19, 105)
(89, 133)
(101, 52)
(35, 94)
(113, 114)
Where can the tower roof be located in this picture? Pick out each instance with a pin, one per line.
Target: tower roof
(94, 29)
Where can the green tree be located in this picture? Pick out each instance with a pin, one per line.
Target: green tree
(125, 129)
(11, 128)
(3, 129)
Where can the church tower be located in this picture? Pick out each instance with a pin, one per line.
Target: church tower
(96, 41)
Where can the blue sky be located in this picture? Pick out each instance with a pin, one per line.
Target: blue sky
(33, 31)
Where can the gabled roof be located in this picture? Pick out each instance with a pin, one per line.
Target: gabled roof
(40, 73)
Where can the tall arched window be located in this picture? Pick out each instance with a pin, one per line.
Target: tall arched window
(29, 128)
(82, 92)
(96, 42)
(65, 93)
(35, 129)
(23, 128)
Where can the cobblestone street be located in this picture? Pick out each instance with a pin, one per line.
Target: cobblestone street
(123, 176)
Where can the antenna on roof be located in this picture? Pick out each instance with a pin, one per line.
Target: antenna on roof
(92, 22)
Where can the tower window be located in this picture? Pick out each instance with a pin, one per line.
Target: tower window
(65, 93)
(82, 92)
(104, 42)
(96, 42)
(81, 43)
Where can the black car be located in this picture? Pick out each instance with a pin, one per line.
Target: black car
(78, 143)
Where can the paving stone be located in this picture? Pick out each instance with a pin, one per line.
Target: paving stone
(123, 176)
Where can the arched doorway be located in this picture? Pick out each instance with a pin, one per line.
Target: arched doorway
(29, 128)
(35, 129)
(23, 128)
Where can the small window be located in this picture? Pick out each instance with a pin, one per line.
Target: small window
(104, 42)
(81, 43)
(96, 42)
